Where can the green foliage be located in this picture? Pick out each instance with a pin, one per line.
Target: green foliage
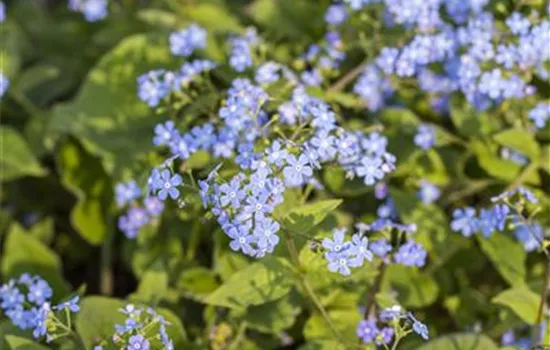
(507, 256)
(18, 343)
(522, 301)
(461, 341)
(24, 253)
(304, 218)
(118, 130)
(258, 283)
(17, 159)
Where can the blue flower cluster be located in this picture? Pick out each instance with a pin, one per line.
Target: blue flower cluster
(2, 11)
(540, 114)
(342, 255)
(184, 42)
(157, 84)
(425, 136)
(241, 50)
(93, 10)
(429, 192)
(131, 335)
(128, 194)
(26, 303)
(460, 49)
(467, 221)
(4, 84)
(391, 319)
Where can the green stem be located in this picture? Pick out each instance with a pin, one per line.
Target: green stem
(346, 79)
(23, 101)
(106, 272)
(307, 288)
(542, 306)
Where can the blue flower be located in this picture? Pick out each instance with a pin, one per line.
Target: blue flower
(359, 249)
(2, 16)
(241, 57)
(530, 236)
(367, 331)
(380, 247)
(518, 24)
(425, 136)
(184, 42)
(165, 133)
(267, 73)
(71, 304)
(429, 192)
(370, 169)
(411, 254)
(4, 84)
(419, 327)
(151, 88)
(336, 244)
(127, 192)
(153, 206)
(387, 58)
(232, 193)
(10, 296)
(276, 154)
(336, 15)
(138, 342)
(241, 238)
(39, 292)
(266, 232)
(95, 10)
(167, 184)
(298, 171)
(465, 221)
(539, 115)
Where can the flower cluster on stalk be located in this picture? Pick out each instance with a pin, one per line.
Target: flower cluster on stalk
(26, 302)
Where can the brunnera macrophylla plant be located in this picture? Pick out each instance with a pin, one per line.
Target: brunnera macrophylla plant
(296, 160)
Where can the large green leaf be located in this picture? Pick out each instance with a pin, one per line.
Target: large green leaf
(520, 140)
(298, 20)
(25, 253)
(461, 341)
(214, 17)
(19, 343)
(344, 322)
(522, 301)
(497, 167)
(507, 256)
(107, 115)
(152, 287)
(413, 288)
(98, 316)
(304, 218)
(83, 174)
(266, 280)
(271, 317)
(17, 159)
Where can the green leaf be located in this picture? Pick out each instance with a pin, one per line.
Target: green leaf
(98, 315)
(522, 301)
(271, 317)
(17, 159)
(497, 167)
(107, 116)
(507, 255)
(323, 345)
(299, 20)
(413, 287)
(214, 17)
(520, 140)
(8, 328)
(304, 218)
(344, 321)
(261, 282)
(83, 174)
(197, 281)
(461, 341)
(43, 230)
(18, 343)
(152, 287)
(335, 179)
(25, 253)
(469, 121)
